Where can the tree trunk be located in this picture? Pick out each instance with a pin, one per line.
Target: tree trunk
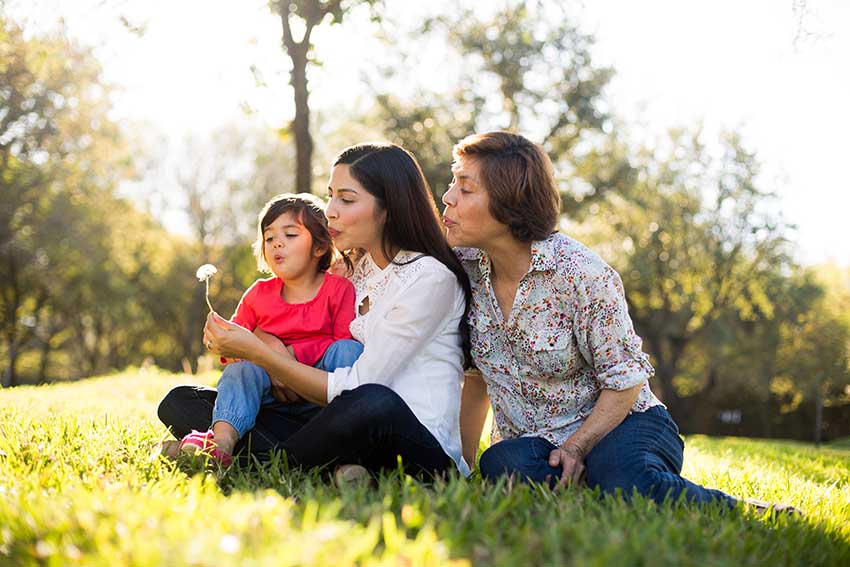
(301, 122)
(42, 366)
(10, 377)
(818, 417)
(298, 51)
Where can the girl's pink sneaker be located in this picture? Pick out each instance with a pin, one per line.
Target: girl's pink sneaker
(199, 442)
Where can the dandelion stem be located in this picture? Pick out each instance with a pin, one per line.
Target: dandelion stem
(207, 295)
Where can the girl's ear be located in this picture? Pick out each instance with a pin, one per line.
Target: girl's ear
(319, 251)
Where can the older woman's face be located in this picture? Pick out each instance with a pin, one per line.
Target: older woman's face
(467, 216)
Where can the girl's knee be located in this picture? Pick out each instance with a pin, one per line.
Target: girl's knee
(242, 371)
(343, 353)
(347, 345)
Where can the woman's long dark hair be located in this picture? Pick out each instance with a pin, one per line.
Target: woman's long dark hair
(392, 175)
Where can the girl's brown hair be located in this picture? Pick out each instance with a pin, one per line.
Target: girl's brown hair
(307, 209)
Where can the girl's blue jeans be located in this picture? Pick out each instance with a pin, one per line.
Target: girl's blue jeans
(245, 387)
(643, 454)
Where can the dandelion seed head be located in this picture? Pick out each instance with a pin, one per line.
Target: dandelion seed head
(205, 272)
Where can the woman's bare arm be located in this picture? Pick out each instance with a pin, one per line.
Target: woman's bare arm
(474, 405)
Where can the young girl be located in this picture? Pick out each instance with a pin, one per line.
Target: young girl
(303, 305)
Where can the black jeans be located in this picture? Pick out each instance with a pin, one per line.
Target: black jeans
(370, 425)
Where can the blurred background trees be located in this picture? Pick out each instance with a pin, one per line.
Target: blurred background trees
(744, 340)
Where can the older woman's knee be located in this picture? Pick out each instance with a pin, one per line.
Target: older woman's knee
(626, 481)
(490, 464)
(499, 460)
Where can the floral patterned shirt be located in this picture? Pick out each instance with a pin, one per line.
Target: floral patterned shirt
(568, 337)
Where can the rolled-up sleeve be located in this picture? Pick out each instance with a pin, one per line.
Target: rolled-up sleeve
(606, 337)
(430, 300)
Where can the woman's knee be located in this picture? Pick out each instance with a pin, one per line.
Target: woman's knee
(492, 463)
(514, 456)
(625, 480)
(366, 407)
(373, 400)
(168, 410)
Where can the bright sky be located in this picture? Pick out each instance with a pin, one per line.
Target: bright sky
(725, 63)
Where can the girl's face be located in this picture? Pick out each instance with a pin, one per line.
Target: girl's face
(467, 216)
(288, 248)
(355, 219)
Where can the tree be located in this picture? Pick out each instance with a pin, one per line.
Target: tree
(526, 68)
(53, 119)
(696, 244)
(305, 16)
(814, 357)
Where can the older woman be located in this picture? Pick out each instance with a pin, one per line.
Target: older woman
(552, 336)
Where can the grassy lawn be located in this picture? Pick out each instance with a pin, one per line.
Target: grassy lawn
(77, 487)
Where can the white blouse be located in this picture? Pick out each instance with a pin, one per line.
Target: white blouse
(411, 341)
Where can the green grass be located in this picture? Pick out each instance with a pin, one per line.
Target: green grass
(77, 487)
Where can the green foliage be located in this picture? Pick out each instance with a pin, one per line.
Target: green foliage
(88, 282)
(702, 256)
(77, 487)
(526, 68)
(60, 158)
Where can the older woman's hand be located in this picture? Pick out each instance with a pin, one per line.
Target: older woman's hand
(571, 458)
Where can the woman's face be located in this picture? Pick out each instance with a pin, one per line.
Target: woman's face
(467, 216)
(355, 219)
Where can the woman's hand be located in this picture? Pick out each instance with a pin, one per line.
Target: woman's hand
(571, 458)
(229, 339)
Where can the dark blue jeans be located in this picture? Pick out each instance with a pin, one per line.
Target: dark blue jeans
(643, 454)
(370, 425)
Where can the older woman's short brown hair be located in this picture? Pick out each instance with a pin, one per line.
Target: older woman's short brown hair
(517, 175)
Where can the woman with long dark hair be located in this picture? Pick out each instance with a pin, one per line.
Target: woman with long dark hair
(402, 396)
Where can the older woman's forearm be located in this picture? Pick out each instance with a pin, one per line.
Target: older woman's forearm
(474, 405)
(610, 410)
